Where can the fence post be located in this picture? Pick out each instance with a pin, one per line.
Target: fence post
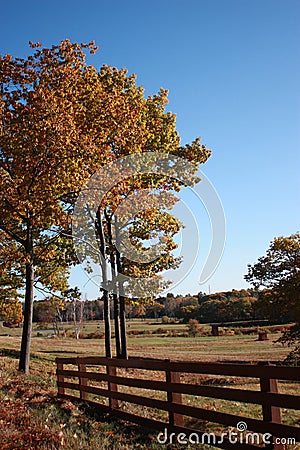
(173, 397)
(82, 381)
(60, 378)
(271, 413)
(112, 387)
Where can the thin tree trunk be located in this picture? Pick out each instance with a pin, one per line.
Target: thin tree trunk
(124, 352)
(107, 325)
(106, 306)
(60, 318)
(117, 324)
(115, 295)
(122, 312)
(28, 306)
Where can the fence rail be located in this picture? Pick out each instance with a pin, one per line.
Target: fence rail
(175, 389)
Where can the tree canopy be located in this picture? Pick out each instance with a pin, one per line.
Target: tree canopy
(42, 155)
(60, 121)
(279, 272)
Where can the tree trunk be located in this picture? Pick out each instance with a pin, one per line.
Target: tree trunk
(124, 353)
(60, 318)
(122, 312)
(107, 325)
(106, 305)
(28, 306)
(117, 324)
(115, 287)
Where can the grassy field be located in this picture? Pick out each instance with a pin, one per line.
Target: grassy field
(32, 417)
(159, 344)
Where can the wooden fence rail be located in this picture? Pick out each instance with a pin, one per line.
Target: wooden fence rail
(87, 370)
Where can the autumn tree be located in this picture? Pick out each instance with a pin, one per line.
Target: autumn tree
(46, 153)
(75, 308)
(45, 311)
(11, 282)
(50, 311)
(279, 273)
(143, 279)
(139, 126)
(138, 309)
(11, 273)
(61, 120)
(194, 328)
(148, 282)
(11, 310)
(155, 309)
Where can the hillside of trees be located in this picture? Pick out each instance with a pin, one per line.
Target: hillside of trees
(221, 307)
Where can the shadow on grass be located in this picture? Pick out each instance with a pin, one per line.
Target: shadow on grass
(254, 362)
(133, 434)
(10, 353)
(53, 352)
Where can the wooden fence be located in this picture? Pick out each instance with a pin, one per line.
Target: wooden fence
(93, 370)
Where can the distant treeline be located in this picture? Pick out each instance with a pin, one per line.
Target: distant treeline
(235, 305)
(229, 306)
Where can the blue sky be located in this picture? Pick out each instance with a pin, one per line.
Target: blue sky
(232, 68)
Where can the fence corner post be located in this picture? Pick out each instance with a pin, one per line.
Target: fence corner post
(175, 419)
(270, 413)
